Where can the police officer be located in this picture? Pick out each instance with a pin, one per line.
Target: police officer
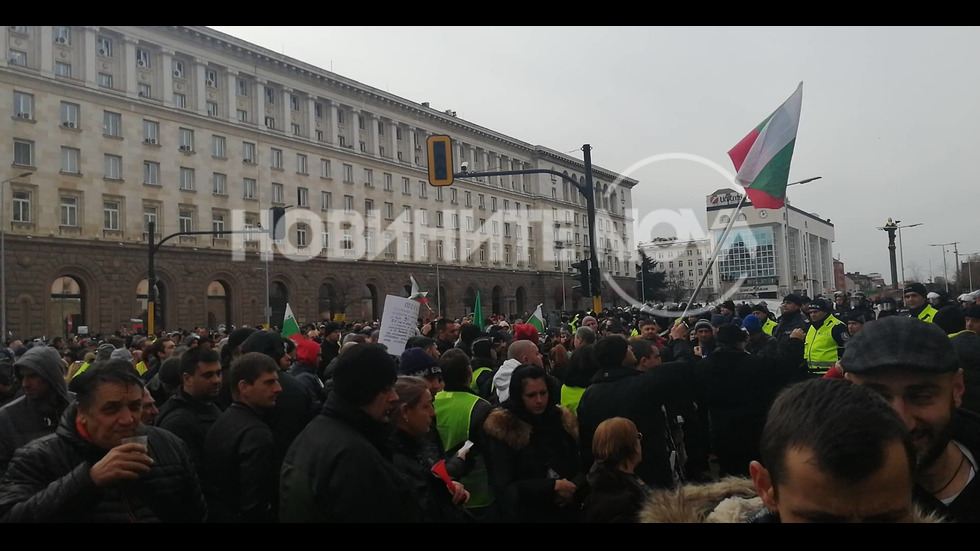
(915, 300)
(825, 339)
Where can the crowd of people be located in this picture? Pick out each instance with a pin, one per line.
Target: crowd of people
(827, 411)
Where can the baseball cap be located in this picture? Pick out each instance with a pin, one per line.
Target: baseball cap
(899, 342)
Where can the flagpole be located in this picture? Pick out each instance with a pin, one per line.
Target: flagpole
(714, 255)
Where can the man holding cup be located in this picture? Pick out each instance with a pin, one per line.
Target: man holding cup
(84, 472)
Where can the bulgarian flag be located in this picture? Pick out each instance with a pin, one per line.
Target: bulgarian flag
(289, 325)
(762, 158)
(537, 320)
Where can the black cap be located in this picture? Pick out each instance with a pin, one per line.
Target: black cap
(972, 311)
(821, 304)
(918, 289)
(899, 342)
(761, 307)
(794, 299)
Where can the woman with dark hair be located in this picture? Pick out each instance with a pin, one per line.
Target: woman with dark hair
(616, 494)
(531, 444)
(582, 366)
(419, 462)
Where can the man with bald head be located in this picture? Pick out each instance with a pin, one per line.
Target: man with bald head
(519, 353)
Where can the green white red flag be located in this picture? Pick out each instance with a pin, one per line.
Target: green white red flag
(762, 158)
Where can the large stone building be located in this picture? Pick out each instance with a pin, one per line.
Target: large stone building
(114, 127)
(685, 262)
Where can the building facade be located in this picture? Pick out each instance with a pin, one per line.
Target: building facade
(194, 130)
(685, 262)
(777, 251)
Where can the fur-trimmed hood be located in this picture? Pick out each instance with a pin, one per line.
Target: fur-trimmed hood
(730, 500)
(506, 426)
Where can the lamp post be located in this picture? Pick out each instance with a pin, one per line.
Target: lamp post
(945, 274)
(789, 268)
(560, 247)
(3, 256)
(901, 256)
(969, 268)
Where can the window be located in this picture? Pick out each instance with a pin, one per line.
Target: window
(424, 217)
(496, 228)
(469, 223)
(468, 200)
(186, 139)
(506, 229)
(151, 173)
(104, 46)
(248, 152)
(23, 153)
(369, 242)
(112, 124)
(348, 204)
(319, 135)
(406, 214)
(277, 193)
(295, 128)
(360, 122)
(69, 211)
(302, 197)
(483, 226)
(439, 194)
(301, 235)
(219, 184)
(276, 158)
(186, 220)
(105, 80)
(483, 202)
(180, 100)
(406, 244)
(389, 248)
(241, 115)
(325, 200)
(406, 186)
(110, 215)
(218, 146)
(342, 140)
(70, 158)
(142, 57)
(211, 78)
(62, 69)
(217, 224)
(423, 189)
(368, 177)
(325, 168)
(363, 146)
(348, 244)
(340, 117)
(149, 215)
(23, 105)
(454, 221)
(452, 196)
(270, 95)
(241, 87)
(249, 188)
(493, 204)
(387, 179)
(318, 110)
(144, 90)
(389, 211)
(301, 164)
(186, 179)
(212, 108)
(381, 128)
(349, 173)
(454, 251)
(151, 132)
(178, 66)
(22, 206)
(113, 167)
(18, 58)
(325, 235)
(294, 102)
(438, 218)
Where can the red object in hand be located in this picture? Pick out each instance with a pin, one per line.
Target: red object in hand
(439, 469)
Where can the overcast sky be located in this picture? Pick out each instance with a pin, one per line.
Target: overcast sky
(889, 120)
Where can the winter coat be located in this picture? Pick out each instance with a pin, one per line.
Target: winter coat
(242, 482)
(48, 481)
(526, 453)
(293, 411)
(306, 375)
(190, 419)
(614, 496)
(24, 419)
(640, 397)
(329, 350)
(414, 458)
(339, 469)
(729, 500)
(789, 322)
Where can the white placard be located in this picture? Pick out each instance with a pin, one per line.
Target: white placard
(399, 322)
(83, 330)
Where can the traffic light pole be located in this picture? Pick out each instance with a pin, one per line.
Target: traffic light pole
(586, 190)
(151, 275)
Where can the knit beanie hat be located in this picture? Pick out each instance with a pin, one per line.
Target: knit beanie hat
(307, 352)
(416, 362)
(121, 354)
(362, 372)
(526, 332)
(752, 325)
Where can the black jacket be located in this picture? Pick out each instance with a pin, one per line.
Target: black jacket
(339, 469)
(190, 419)
(788, 322)
(413, 459)
(242, 482)
(328, 351)
(966, 507)
(292, 412)
(614, 496)
(306, 375)
(641, 398)
(48, 481)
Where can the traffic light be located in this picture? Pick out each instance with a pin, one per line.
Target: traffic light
(583, 276)
(440, 150)
(276, 228)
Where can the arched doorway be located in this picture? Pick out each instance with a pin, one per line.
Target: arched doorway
(218, 304)
(521, 299)
(325, 300)
(278, 297)
(159, 305)
(67, 313)
(496, 306)
(370, 308)
(469, 300)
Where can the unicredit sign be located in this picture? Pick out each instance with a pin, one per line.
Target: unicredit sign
(724, 199)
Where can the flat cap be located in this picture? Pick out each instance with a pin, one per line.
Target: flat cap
(899, 342)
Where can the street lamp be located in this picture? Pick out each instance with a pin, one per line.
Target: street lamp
(970, 268)
(945, 275)
(560, 246)
(901, 256)
(789, 269)
(3, 256)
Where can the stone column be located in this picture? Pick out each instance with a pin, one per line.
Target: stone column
(46, 61)
(200, 90)
(311, 117)
(231, 95)
(286, 110)
(393, 130)
(4, 39)
(167, 66)
(355, 124)
(331, 107)
(90, 56)
(129, 66)
(258, 101)
(374, 148)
